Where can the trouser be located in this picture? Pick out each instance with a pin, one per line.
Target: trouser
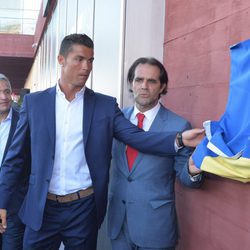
(12, 239)
(73, 223)
(124, 242)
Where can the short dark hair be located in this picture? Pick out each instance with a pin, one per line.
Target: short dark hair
(70, 40)
(151, 61)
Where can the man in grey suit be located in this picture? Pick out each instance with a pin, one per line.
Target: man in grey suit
(13, 238)
(141, 212)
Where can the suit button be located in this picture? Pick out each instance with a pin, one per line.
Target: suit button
(123, 201)
(130, 179)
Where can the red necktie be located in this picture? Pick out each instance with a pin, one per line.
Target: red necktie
(131, 152)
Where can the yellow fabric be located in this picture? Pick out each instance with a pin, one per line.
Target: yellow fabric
(236, 169)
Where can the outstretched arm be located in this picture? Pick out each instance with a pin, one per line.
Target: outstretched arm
(192, 137)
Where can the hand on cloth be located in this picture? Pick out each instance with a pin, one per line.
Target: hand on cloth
(192, 137)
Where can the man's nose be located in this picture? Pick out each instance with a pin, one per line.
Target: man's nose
(3, 95)
(144, 84)
(86, 65)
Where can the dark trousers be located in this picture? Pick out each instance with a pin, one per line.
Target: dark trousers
(73, 223)
(124, 242)
(12, 239)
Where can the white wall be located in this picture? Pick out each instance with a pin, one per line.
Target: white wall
(108, 39)
(122, 30)
(144, 35)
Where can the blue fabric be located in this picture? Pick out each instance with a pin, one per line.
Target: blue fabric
(35, 136)
(13, 237)
(73, 223)
(145, 195)
(230, 135)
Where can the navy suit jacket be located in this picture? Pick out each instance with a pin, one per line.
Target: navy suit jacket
(35, 136)
(21, 187)
(145, 195)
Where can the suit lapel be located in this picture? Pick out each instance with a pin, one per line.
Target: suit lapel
(158, 124)
(14, 121)
(122, 147)
(88, 108)
(88, 111)
(160, 120)
(51, 115)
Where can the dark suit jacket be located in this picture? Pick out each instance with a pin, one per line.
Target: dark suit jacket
(35, 136)
(14, 120)
(145, 195)
(21, 187)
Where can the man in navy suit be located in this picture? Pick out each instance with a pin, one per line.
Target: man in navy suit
(68, 132)
(141, 212)
(13, 237)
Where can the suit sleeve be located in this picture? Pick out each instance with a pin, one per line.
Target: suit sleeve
(12, 167)
(161, 143)
(181, 165)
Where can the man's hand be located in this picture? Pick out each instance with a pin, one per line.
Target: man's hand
(3, 224)
(192, 169)
(192, 137)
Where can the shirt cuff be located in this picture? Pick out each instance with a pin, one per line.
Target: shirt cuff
(176, 147)
(195, 178)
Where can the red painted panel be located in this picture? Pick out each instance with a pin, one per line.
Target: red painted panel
(196, 54)
(16, 45)
(16, 69)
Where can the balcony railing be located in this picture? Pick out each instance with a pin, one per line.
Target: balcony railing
(18, 21)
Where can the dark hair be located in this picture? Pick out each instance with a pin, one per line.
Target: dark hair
(151, 61)
(70, 40)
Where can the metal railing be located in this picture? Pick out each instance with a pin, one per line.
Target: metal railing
(18, 21)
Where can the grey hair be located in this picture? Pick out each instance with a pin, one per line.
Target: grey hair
(5, 78)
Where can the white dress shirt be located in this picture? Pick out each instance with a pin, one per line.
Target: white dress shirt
(70, 170)
(4, 133)
(149, 116)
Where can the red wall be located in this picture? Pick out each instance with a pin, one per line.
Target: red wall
(13, 45)
(196, 54)
(16, 58)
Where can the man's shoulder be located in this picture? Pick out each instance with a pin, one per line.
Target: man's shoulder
(103, 96)
(41, 93)
(15, 108)
(101, 99)
(127, 111)
(174, 116)
(15, 114)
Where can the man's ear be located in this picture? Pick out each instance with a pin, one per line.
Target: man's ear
(61, 60)
(163, 88)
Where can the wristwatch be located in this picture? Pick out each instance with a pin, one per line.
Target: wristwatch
(179, 140)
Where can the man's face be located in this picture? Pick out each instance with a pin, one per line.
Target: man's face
(77, 65)
(5, 97)
(147, 86)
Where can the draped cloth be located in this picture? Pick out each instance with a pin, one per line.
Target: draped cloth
(225, 151)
